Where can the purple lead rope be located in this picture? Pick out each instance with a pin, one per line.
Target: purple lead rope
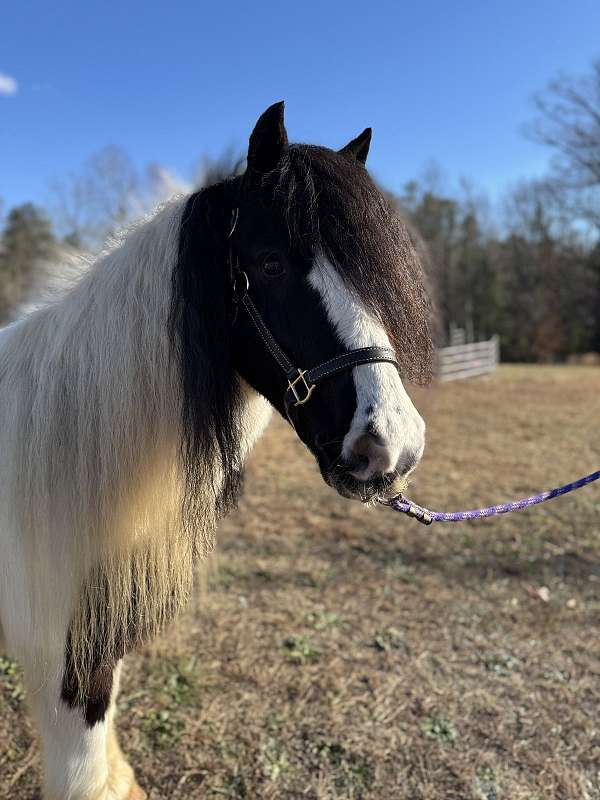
(426, 516)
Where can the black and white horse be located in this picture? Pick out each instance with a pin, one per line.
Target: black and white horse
(128, 406)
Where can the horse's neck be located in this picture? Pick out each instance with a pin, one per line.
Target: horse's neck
(90, 391)
(95, 391)
(115, 316)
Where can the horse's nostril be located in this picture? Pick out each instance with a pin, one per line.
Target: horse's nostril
(357, 462)
(370, 456)
(371, 436)
(363, 446)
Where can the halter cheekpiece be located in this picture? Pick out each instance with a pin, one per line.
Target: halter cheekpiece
(301, 383)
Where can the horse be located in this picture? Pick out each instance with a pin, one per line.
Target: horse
(128, 405)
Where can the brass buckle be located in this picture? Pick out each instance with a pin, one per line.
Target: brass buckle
(308, 389)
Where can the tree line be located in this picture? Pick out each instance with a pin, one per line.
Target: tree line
(534, 281)
(531, 275)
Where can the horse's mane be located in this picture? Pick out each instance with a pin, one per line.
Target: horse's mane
(126, 427)
(210, 386)
(371, 249)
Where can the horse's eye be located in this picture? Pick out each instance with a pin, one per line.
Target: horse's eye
(273, 267)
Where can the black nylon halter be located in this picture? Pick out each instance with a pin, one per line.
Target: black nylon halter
(301, 382)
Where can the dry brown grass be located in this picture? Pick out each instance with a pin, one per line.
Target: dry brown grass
(343, 652)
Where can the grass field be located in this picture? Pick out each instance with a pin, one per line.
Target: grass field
(342, 652)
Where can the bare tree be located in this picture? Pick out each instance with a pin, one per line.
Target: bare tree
(109, 192)
(568, 122)
(90, 205)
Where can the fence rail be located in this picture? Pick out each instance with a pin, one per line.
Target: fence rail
(468, 360)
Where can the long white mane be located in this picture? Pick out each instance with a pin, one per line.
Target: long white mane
(90, 479)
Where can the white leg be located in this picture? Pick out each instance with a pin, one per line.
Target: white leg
(82, 761)
(81, 757)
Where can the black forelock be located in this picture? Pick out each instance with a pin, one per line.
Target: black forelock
(332, 206)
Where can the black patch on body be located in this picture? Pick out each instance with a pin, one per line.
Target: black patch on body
(94, 697)
(92, 692)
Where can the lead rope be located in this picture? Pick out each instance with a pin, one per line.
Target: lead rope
(427, 517)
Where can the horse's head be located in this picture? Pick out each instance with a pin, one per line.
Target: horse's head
(323, 267)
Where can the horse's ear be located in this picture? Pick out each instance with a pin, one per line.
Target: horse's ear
(359, 147)
(268, 139)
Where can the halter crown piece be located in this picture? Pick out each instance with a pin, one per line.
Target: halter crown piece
(301, 383)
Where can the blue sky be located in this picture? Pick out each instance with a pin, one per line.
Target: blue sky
(449, 82)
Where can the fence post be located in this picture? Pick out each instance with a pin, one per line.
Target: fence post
(496, 341)
(467, 360)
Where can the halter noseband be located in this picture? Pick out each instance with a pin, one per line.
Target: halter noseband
(301, 383)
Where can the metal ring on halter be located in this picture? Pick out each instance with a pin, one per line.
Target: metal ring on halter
(240, 275)
(235, 215)
(240, 279)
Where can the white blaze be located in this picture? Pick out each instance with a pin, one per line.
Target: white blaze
(381, 399)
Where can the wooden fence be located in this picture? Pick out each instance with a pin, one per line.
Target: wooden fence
(468, 360)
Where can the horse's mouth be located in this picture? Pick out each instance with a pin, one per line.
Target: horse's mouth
(338, 475)
(378, 488)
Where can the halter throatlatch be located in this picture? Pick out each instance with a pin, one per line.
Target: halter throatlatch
(301, 383)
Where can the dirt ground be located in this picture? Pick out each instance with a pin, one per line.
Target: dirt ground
(334, 651)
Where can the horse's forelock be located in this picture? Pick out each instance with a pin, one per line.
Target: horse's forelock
(332, 206)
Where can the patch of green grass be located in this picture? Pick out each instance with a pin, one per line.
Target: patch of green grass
(555, 675)
(352, 770)
(234, 788)
(11, 678)
(173, 682)
(485, 783)
(225, 577)
(389, 639)
(275, 721)
(500, 663)
(322, 620)
(128, 701)
(332, 752)
(301, 649)
(182, 681)
(162, 729)
(174, 685)
(275, 758)
(441, 729)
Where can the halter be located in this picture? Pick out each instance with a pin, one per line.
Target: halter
(301, 383)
